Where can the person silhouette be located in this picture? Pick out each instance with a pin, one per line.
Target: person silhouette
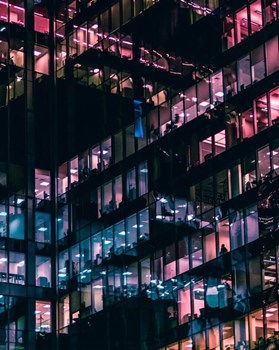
(223, 249)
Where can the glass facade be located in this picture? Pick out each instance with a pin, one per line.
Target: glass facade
(139, 175)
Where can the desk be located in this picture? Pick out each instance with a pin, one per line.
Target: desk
(13, 278)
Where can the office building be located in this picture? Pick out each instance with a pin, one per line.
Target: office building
(139, 158)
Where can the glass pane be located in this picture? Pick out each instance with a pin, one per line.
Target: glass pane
(256, 16)
(43, 271)
(261, 113)
(43, 316)
(243, 72)
(17, 268)
(241, 24)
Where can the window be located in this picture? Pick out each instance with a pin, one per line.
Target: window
(184, 305)
(241, 24)
(17, 13)
(244, 75)
(272, 54)
(261, 112)
(132, 231)
(203, 96)
(41, 21)
(3, 266)
(43, 316)
(198, 298)
(256, 21)
(170, 262)
(17, 220)
(142, 178)
(209, 244)
(274, 105)
(43, 271)
(42, 227)
(62, 178)
(130, 280)
(236, 228)
(229, 33)
(219, 142)
(256, 328)
(130, 140)
(251, 223)
(269, 11)
(223, 228)
(17, 268)
(247, 124)
(41, 58)
(183, 255)
(62, 222)
(3, 220)
(197, 251)
(263, 162)
(97, 295)
(227, 335)
(230, 80)
(97, 249)
(145, 273)
(271, 325)
(119, 237)
(190, 104)
(257, 64)
(217, 94)
(131, 184)
(107, 239)
(64, 311)
(64, 267)
(206, 151)
(118, 147)
(42, 185)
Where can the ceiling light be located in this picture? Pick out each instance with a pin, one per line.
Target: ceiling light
(127, 273)
(204, 103)
(122, 233)
(268, 314)
(96, 70)
(73, 171)
(37, 53)
(144, 171)
(44, 183)
(272, 309)
(62, 275)
(3, 213)
(42, 229)
(2, 260)
(47, 306)
(19, 200)
(47, 313)
(21, 263)
(95, 26)
(136, 226)
(219, 94)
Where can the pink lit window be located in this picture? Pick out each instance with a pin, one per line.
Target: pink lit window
(4, 10)
(17, 15)
(41, 21)
(241, 24)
